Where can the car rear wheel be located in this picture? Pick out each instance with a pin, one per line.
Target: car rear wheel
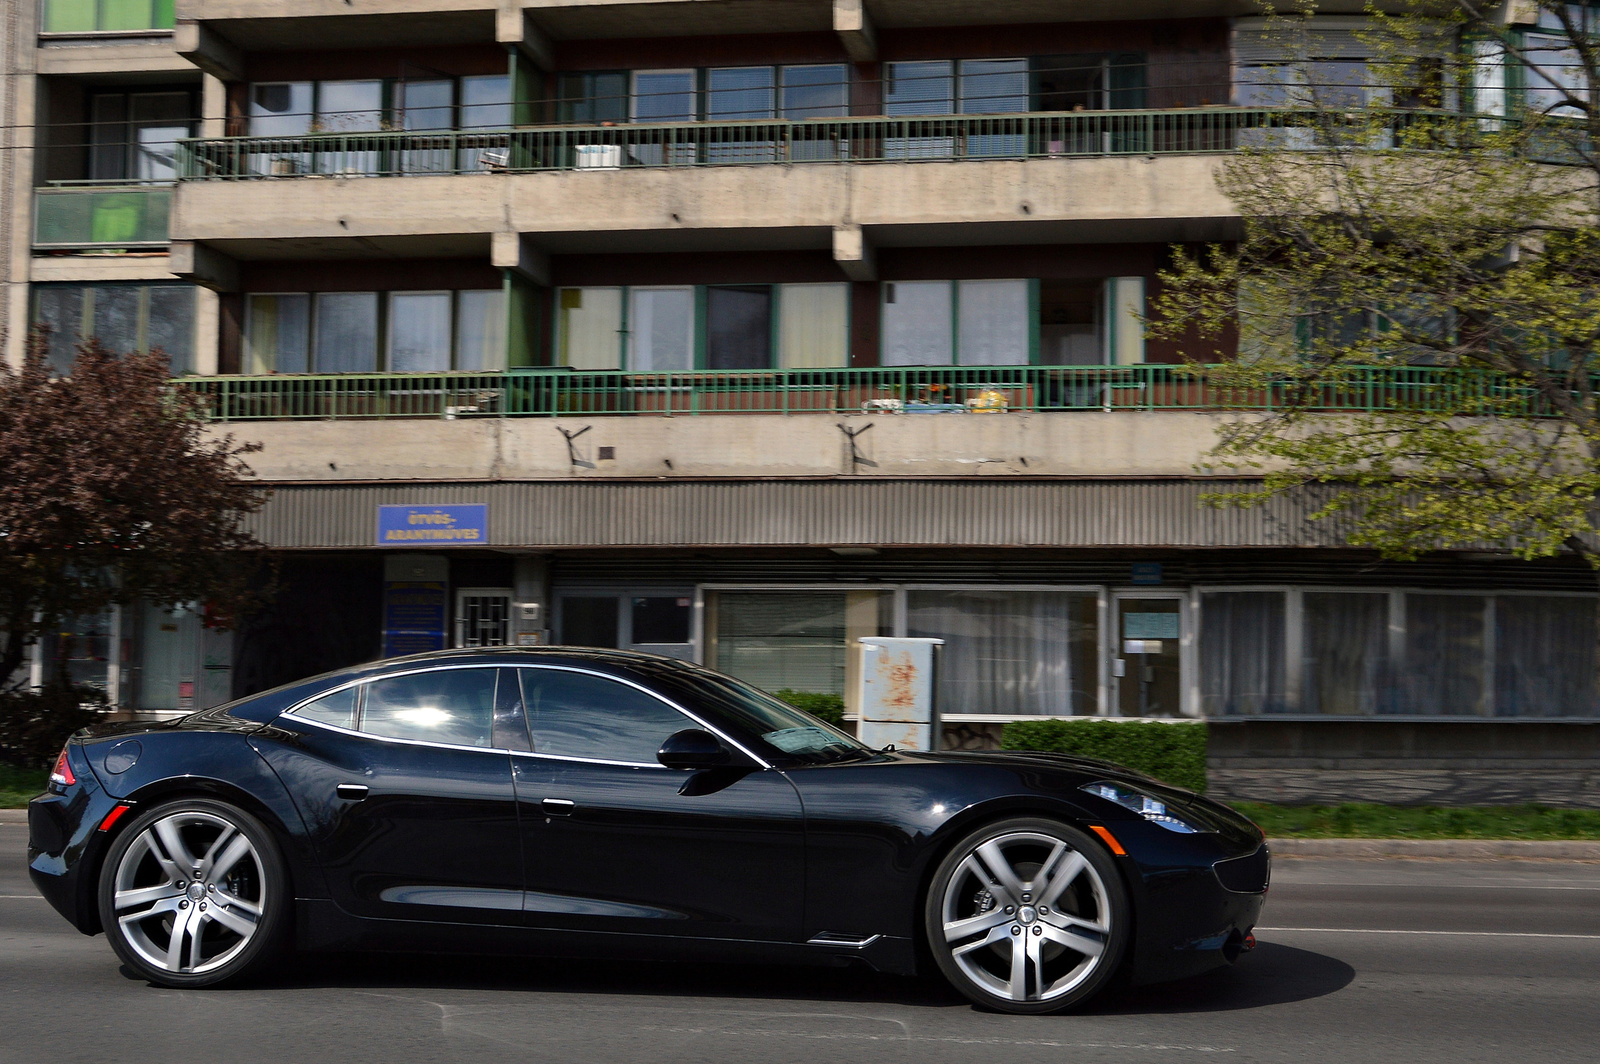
(194, 893)
(1027, 915)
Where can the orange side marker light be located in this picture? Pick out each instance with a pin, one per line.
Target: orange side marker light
(1109, 839)
(114, 816)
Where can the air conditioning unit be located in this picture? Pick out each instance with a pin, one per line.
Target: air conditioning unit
(598, 156)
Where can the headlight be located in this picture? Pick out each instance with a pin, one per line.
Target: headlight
(1152, 809)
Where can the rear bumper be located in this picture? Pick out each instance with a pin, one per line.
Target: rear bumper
(64, 852)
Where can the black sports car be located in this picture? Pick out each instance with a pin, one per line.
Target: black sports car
(591, 802)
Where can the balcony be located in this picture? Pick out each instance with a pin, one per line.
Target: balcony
(77, 17)
(87, 217)
(1038, 135)
(962, 391)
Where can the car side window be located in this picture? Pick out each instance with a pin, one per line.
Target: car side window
(454, 706)
(338, 709)
(575, 714)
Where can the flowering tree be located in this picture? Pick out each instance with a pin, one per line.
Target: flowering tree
(112, 491)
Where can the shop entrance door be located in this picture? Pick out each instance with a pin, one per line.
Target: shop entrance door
(483, 617)
(1147, 663)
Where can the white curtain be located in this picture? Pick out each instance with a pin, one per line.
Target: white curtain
(1544, 656)
(481, 330)
(813, 325)
(994, 323)
(1444, 672)
(1242, 639)
(590, 328)
(278, 333)
(1011, 653)
(347, 332)
(661, 329)
(916, 323)
(1346, 653)
(419, 332)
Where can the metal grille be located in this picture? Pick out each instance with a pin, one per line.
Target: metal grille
(483, 618)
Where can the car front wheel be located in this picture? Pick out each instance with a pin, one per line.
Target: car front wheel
(1027, 915)
(194, 893)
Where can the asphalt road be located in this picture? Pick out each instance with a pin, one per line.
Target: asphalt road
(1358, 961)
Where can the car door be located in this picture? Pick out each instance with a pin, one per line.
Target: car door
(405, 786)
(614, 841)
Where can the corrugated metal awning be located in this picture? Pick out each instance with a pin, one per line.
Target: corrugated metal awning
(819, 513)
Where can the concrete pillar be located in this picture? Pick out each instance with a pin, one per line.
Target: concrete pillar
(204, 266)
(213, 106)
(208, 50)
(530, 612)
(207, 331)
(854, 253)
(514, 28)
(855, 30)
(514, 251)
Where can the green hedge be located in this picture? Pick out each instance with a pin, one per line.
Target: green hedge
(829, 707)
(1173, 752)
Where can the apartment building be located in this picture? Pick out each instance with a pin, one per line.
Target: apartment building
(739, 330)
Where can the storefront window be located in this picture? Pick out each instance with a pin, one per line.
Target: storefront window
(798, 640)
(1242, 653)
(1544, 656)
(1011, 653)
(1346, 655)
(1445, 655)
(81, 652)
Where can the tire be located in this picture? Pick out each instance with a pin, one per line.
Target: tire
(194, 893)
(1035, 881)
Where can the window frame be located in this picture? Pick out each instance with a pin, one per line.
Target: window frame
(361, 708)
(663, 699)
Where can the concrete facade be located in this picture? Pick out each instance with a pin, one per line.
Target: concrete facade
(1071, 544)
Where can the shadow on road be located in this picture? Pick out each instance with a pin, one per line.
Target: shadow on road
(1270, 974)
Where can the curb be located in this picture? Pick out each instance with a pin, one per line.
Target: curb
(1566, 849)
(13, 816)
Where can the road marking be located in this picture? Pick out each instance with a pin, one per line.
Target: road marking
(1388, 931)
(14, 897)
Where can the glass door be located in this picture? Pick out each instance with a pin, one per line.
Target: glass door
(1147, 663)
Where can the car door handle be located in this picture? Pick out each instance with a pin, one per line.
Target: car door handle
(557, 807)
(351, 792)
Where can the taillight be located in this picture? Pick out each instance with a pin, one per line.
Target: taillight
(62, 773)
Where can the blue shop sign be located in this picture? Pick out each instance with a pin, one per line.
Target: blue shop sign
(433, 526)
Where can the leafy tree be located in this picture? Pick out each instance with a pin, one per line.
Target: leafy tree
(1444, 230)
(112, 491)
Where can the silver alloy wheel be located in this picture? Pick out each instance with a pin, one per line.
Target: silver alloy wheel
(189, 893)
(1026, 916)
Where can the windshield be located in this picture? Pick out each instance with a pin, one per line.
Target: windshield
(790, 733)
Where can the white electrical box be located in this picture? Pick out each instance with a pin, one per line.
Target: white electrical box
(897, 696)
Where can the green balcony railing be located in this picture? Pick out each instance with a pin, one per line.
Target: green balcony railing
(105, 16)
(963, 390)
(608, 147)
(101, 216)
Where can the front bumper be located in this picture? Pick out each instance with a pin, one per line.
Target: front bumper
(1188, 921)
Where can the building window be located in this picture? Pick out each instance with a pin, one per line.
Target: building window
(133, 136)
(712, 327)
(126, 318)
(817, 91)
(589, 328)
(1445, 655)
(1544, 656)
(1346, 662)
(1011, 653)
(661, 329)
(813, 325)
(1242, 653)
(920, 323)
(663, 96)
(799, 640)
(337, 332)
(592, 97)
(106, 16)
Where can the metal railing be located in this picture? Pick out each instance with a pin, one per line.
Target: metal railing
(963, 390)
(101, 216)
(610, 147)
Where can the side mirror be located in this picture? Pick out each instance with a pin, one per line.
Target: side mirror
(693, 749)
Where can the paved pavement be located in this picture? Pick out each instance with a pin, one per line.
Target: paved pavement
(1369, 961)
